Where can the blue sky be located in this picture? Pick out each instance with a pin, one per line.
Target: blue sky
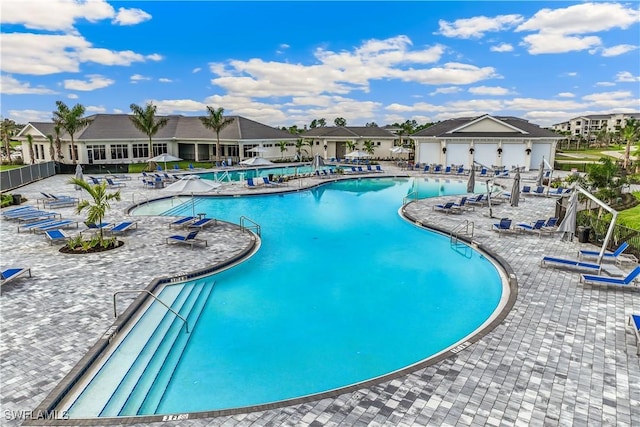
(286, 63)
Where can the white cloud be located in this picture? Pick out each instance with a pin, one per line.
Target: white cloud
(25, 116)
(94, 109)
(571, 74)
(502, 47)
(95, 81)
(165, 80)
(562, 30)
(488, 90)
(477, 26)
(605, 84)
(138, 78)
(172, 106)
(566, 95)
(130, 16)
(617, 50)
(72, 96)
(41, 54)
(627, 77)
(12, 86)
(196, 70)
(446, 90)
(528, 104)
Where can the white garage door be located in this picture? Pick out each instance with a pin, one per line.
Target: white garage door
(458, 154)
(429, 152)
(486, 154)
(513, 155)
(537, 152)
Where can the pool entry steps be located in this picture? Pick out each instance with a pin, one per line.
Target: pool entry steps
(134, 378)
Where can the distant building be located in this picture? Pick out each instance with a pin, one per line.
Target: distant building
(487, 140)
(331, 141)
(589, 126)
(113, 139)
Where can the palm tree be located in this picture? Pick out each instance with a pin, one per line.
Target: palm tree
(283, 148)
(216, 122)
(310, 144)
(630, 133)
(31, 153)
(8, 128)
(56, 130)
(52, 149)
(145, 120)
(71, 120)
(368, 146)
(97, 208)
(299, 144)
(351, 146)
(340, 121)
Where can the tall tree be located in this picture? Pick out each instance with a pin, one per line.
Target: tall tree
(216, 121)
(52, 148)
(340, 121)
(31, 153)
(630, 133)
(71, 120)
(98, 206)
(8, 129)
(145, 120)
(309, 142)
(56, 130)
(368, 147)
(299, 144)
(283, 148)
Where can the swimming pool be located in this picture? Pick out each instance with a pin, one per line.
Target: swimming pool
(242, 174)
(341, 291)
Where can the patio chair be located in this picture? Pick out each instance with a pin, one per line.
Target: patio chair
(628, 282)
(526, 189)
(251, 184)
(571, 263)
(634, 322)
(29, 226)
(189, 239)
(426, 169)
(379, 168)
(460, 171)
(64, 223)
(202, 223)
(462, 204)
(123, 227)
(503, 226)
(437, 169)
(483, 172)
(536, 227)
(476, 200)
(447, 170)
(539, 191)
(449, 207)
(112, 184)
(182, 222)
(10, 274)
(607, 255)
(56, 235)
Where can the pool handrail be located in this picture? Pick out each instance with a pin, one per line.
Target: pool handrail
(138, 291)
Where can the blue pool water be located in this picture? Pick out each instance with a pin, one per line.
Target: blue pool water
(341, 291)
(242, 174)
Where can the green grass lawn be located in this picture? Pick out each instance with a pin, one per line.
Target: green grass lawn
(630, 217)
(8, 167)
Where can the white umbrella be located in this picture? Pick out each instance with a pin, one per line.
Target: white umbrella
(256, 161)
(400, 150)
(192, 184)
(540, 174)
(515, 190)
(78, 174)
(317, 162)
(258, 149)
(471, 183)
(357, 154)
(568, 224)
(165, 157)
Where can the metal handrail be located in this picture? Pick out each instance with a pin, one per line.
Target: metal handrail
(255, 226)
(222, 177)
(413, 195)
(455, 231)
(115, 311)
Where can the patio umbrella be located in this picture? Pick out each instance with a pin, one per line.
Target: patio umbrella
(164, 158)
(540, 174)
(258, 149)
(256, 161)
(357, 154)
(317, 162)
(568, 224)
(471, 182)
(515, 190)
(78, 174)
(192, 184)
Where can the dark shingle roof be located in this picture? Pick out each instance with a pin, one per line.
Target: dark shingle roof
(349, 132)
(443, 129)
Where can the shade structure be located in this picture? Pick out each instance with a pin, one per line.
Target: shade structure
(192, 184)
(471, 182)
(256, 161)
(317, 162)
(515, 189)
(540, 174)
(400, 150)
(568, 225)
(358, 154)
(164, 158)
(258, 149)
(78, 175)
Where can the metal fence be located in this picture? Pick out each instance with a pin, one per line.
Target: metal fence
(14, 178)
(598, 230)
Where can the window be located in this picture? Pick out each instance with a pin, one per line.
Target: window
(97, 152)
(159, 149)
(119, 151)
(140, 151)
(75, 152)
(42, 151)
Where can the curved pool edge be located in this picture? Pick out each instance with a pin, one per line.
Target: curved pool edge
(502, 310)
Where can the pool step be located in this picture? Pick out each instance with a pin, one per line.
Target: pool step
(97, 393)
(182, 304)
(145, 398)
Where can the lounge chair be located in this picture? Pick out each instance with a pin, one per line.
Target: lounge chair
(552, 223)
(251, 184)
(379, 168)
(483, 173)
(634, 322)
(29, 226)
(503, 225)
(183, 222)
(426, 169)
(13, 273)
(615, 255)
(462, 204)
(189, 239)
(526, 189)
(562, 262)
(56, 224)
(123, 227)
(437, 169)
(534, 228)
(447, 170)
(56, 235)
(202, 223)
(102, 225)
(626, 282)
(449, 207)
(476, 200)
(460, 171)
(112, 184)
(539, 191)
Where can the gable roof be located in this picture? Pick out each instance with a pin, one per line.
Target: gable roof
(514, 127)
(348, 132)
(120, 127)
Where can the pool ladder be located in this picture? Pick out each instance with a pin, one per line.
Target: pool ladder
(139, 291)
(466, 228)
(254, 226)
(409, 197)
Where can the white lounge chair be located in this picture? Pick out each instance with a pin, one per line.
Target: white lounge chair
(13, 273)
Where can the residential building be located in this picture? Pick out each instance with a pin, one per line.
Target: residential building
(331, 141)
(589, 126)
